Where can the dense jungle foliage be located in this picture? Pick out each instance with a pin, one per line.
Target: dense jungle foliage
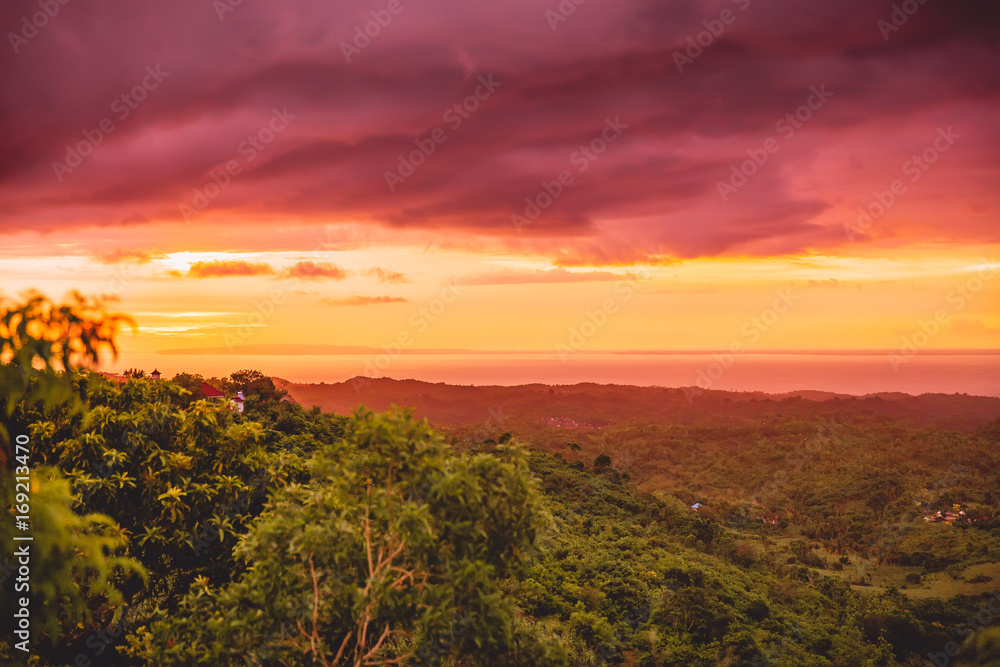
(171, 529)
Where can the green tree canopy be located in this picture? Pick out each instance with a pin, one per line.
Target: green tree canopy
(393, 552)
(38, 338)
(77, 562)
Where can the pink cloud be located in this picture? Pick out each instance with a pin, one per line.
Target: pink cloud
(386, 276)
(229, 268)
(656, 185)
(122, 255)
(308, 270)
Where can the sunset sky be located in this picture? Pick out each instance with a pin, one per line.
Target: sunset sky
(267, 174)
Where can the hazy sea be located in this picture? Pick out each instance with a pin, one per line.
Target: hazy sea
(977, 374)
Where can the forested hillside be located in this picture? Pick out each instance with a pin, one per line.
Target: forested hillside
(602, 405)
(173, 529)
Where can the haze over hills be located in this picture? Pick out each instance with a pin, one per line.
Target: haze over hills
(600, 405)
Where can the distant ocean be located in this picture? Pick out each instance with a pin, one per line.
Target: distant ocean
(976, 374)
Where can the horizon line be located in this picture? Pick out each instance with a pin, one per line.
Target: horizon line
(351, 350)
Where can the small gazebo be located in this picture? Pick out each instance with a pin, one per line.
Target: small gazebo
(155, 375)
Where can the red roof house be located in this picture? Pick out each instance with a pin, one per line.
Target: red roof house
(210, 391)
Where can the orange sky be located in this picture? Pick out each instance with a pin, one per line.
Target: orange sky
(484, 179)
(370, 292)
